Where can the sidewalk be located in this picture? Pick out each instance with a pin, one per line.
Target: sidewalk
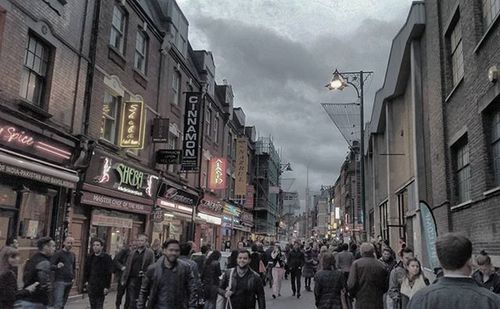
(77, 302)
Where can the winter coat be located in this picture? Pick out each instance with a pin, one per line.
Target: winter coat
(310, 264)
(247, 290)
(211, 281)
(344, 260)
(408, 291)
(97, 272)
(493, 283)
(395, 279)
(8, 290)
(147, 259)
(184, 293)
(38, 269)
(255, 259)
(456, 293)
(296, 259)
(328, 288)
(368, 283)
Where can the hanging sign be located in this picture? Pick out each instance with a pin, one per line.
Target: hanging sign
(249, 199)
(132, 125)
(217, 177)
(241, 167)
(168, 156)
(191, 141)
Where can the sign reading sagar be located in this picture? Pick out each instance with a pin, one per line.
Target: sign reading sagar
(192, 119)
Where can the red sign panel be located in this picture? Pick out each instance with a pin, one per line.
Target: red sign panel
(217, 179)
(249, 197)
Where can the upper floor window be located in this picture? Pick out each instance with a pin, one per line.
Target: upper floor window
(495, 145)
(216, 129)
(491, 9)
(456, 53)
(34, 75)
(141, 52)
(462, 172)
(176, 87)
(208, 119)
(117, 38)
(109, 117)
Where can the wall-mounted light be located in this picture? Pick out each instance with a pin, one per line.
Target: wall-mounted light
(493, 74)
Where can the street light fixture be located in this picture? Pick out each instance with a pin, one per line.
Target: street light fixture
(339, 81)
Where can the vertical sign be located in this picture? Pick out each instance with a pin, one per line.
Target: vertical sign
(241, 167)
(217, 176)
(249, 197)
(430, 234)
(192, 120)
(132, 125)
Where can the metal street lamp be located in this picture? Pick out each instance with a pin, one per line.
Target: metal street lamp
(339, 81)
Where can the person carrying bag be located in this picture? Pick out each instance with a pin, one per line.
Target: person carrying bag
(222, 301)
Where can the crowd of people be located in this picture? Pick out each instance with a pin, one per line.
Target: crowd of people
(168, 276)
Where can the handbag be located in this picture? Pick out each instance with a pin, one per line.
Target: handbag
(222, 301)
(262, 267)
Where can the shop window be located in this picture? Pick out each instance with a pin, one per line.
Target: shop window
(491, 9)
(7, 196)
(109, 117)
(34, 74)
(495, 146)
(141, 52)
(34, 216)
(117, 37)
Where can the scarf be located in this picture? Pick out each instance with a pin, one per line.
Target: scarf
(409, 290)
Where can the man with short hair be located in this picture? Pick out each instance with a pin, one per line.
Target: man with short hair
(344, 260)
(64, 262)
(397, 275)
(246, 288)
(138, 262)
(97, 274)
(367, 281)
(201, 259)
(38, 269)
(168, 283)
(119, 263)
(456, 289)
(296, 260)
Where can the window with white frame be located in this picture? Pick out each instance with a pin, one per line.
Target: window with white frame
(109, 117)
(491, 9)
(208, 118)
(462, 171)
(141, 52)
(34, 75)
(176, 87)
(117, 37)
(495, 146)
(216, 129)
(456, 53)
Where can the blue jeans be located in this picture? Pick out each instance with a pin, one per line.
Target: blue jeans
(61, 293)
(29, 305)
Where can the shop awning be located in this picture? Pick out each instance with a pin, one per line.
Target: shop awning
(23, 166)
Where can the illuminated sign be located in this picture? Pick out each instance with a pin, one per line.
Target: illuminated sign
(211, 205)
(31, 143)
(173, 206)
(241, 168)
(210, 219)
(190, 151)
(177, 195)
(217, 178)
(132, 125)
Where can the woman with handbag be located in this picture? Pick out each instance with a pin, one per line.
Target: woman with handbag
(211, 279)
(278, 269)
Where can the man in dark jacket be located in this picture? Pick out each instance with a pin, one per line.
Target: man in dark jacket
(329, 286)
(456, 289)
(97, 274)
(201, 259)
(396, 276)
(368, 281)
(119, 264)
(38, 269)
(246, 288)
(137, 263)
(296, 260)
(186, 250)
(168, 283)
(64, 261)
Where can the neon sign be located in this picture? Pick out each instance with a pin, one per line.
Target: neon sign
(217, 179)
(132, 125)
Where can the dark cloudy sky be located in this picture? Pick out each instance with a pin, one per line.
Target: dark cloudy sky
(279, 54)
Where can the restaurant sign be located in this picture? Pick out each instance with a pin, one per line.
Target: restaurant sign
(176, 195)
(191, 140)
(217, 176)
(132, 126)
(211, 206)
(100, 200)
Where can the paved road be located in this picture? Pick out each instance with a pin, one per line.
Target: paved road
(286, 301)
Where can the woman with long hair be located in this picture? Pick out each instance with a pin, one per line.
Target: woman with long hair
(278, 269)
(413, 281)
(9, 260)
(322, 252)
(330, 286)
(210, 279)
(486, 275)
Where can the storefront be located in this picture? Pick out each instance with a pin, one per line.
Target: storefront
(209, 221)
(36, 184)
(246, 224)
(176, 204)
(230, 219)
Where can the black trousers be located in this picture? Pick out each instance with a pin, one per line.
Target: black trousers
(96, 299)
(307, 282)
(119, 294)
(295, 275)
(133, 290)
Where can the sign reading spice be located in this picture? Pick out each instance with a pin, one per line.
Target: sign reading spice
(191, 141)
(132, 125)
(217, 180)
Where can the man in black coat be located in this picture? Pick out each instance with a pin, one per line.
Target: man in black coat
(119, 263)
(296, 260)
(97, 274)
(246, 289)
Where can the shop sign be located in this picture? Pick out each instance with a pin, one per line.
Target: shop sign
(174, 207)
(132, 126)
(211, 206)
(29, 142)
(177, 195)
(247, 217)
(217, 176)
(241, 167)
(101, 220)
(249, 199)
(25, 173)
(168, 156)
(210, 219)
(95, 199)
(191, 140)
(158, 215)
(160, 130)
(232, 210)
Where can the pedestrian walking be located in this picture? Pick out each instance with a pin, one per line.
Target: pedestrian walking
(296, 261)
(367, 280)
(232, 260)
(38, 269)
(309, 265)
(246, 288)
(119, 264)
(288, 249)
(330, 289)
(396, 277)
(413, 281)
(9, 294)
(137, 263)
(201, 259)
(278, 268)
(185, 256)
(456, 289)
(388, 259)
(156, 247)
(344, 260)
(97, 274)
(64, 262)
(322, 252)
(168, 283)
(211, 279)
(257, 262)
(486, 276)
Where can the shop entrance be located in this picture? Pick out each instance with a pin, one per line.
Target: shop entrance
(7, 225)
